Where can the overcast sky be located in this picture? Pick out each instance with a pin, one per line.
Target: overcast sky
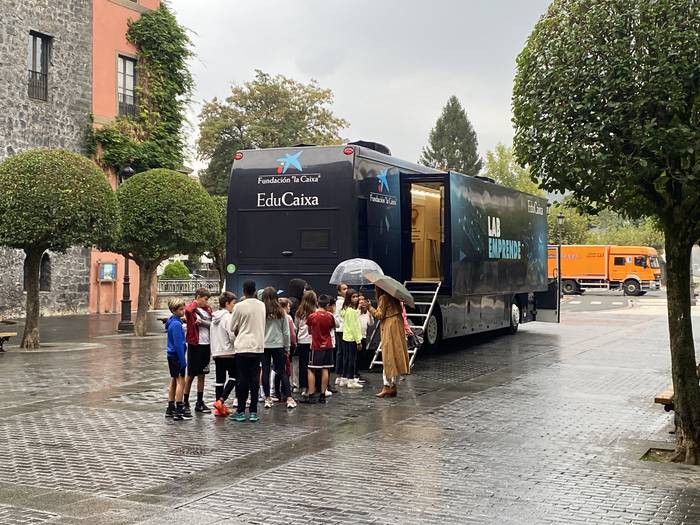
(392, 64)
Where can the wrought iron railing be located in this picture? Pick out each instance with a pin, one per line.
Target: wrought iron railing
(186, 287)
(38, 85)
(127, 105)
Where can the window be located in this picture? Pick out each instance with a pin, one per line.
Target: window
(640, 261)
(38, 64)
(126, 85)
(619, 261)
(654, 262)
(315, 239)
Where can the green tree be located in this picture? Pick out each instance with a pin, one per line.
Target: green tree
(217, 250)
(502, 167)
(175, 270)
(267, 112)
(625, 232)
(51, 200)
(153, 137)
(452, 144)
(575, 227)
(607, 106)
(163, 213)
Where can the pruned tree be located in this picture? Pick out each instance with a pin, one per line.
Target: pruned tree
(163, 213)
(52, 199)
(452, 144)
(607, 107)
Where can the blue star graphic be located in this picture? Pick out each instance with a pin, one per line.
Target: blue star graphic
(384, 184)
(291, 160)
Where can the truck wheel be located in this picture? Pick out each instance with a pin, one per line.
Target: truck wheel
(569, 287)
(514, 318)
(433, 330)
(631, 287)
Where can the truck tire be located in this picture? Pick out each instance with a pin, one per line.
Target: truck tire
(631, 287)
(433, 330)
(569, 287)
(514, 318)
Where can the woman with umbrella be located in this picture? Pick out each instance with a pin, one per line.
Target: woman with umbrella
(394, 349)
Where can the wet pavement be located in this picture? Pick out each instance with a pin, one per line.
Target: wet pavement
(543, 427)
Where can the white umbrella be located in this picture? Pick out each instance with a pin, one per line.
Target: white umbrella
(352, 272)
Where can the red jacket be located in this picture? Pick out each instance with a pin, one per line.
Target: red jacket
(192, 335)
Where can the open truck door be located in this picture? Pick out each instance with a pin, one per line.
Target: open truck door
(548, 303)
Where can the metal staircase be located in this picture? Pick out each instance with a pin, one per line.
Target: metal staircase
(425, 294)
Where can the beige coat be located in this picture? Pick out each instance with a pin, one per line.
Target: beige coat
(394, 349)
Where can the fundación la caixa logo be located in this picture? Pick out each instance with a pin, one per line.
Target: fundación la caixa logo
(288, 198)
(289, 160)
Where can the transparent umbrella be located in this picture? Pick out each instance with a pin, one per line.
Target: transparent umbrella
(352, 272)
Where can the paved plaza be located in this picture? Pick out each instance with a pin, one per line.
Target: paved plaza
(547, 426)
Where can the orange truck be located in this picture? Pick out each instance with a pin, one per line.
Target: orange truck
(634, 269)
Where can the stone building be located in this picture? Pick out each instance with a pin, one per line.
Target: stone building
(45, 100)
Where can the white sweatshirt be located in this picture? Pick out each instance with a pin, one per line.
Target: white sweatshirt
(220, 333)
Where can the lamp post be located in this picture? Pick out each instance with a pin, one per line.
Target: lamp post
(125, 323)
(560, 225)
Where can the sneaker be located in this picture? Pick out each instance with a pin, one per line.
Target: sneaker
(304, 392)
(291, 403)
(234, 403)
(275, 399)
(322, 399)
(354, 383)
(170, 411)
(187, 412)
(337, 380)
(238, 416)
(227, 411)
(332, 390)
(310, 400)
(360, 380)
(219, 408)
(329, 392)
(343, 382)
(177, 416)
(268, 402)
(202, 408)
(253, 417)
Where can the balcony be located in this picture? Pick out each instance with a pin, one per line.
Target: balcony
(127, 105)
(38, 85)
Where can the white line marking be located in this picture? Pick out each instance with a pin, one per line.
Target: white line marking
(574, 302)
(596, 302)
(617, 302)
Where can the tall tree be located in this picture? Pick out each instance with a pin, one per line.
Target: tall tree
(163, 213)
(52, 200)
(267, 112)
(607, 106)
(452, 144)
(502, 167)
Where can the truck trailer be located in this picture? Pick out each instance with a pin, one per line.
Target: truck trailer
(478, 249)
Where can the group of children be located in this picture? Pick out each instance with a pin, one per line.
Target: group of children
(254, 339)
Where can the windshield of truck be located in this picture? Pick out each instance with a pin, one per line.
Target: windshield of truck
(640, 261)
(654, 262)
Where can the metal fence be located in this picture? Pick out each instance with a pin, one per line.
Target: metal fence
(187, 287)
(38, 85)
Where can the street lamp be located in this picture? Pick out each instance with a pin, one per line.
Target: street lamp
(126, 324)
(560, 225)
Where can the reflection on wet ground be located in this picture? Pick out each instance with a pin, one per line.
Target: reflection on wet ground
(543, 427)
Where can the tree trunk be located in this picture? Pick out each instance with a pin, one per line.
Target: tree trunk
(147, 271)
(32, 264)
(220, 264)
(686, 391)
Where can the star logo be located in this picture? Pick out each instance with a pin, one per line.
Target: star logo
(383, 183)
(289, 160)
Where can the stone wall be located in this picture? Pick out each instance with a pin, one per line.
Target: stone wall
(69, 279)
(57, 122)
